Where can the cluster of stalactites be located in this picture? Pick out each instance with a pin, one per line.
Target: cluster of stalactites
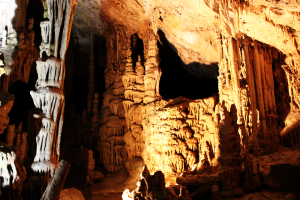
(49, 97)
(113, 153)
(59, 16)
(179, 136)
(246, 81)
(152, 72)
(8, 159)
(9, 169)
(25, 52)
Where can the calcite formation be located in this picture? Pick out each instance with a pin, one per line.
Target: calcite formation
(254, 112)
(153, 187)
(49, 97)
(243, 138)
(18, 48)
(113, 153)
(10, 172)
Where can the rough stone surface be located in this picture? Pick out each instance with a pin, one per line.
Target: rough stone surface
(71, 194)
(280, 171)
(7, 101)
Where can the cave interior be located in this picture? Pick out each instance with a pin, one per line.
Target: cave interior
(169, 100)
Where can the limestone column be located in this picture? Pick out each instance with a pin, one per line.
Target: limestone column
(234, 73)
(259, 89)
(152, 72)
(48, 97)
(252, 91)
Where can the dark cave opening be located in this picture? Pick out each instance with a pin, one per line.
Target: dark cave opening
(35, 10)
(137, 47)
(282, 97)
(78, 72)
(193, 81)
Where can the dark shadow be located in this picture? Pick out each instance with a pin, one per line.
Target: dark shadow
(193, 81)
(35, 10)
(23, 102)
(100, 65)
(282, 97)
(137, 47)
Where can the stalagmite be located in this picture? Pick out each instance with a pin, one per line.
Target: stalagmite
(257, 62)
(250, 75)
(113, 127)
(57, 182)
(230, 158)
(152, 72)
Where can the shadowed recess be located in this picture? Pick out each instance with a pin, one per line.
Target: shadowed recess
(194, 81)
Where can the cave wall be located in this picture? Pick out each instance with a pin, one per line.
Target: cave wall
(253, 47)
(254, 43)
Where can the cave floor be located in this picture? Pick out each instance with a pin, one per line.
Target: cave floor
(110, 187)
(104, 196)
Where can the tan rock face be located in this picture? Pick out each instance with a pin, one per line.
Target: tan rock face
(256, 46)
(71, 194)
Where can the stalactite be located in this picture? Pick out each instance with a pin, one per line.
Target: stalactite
(49, 97)
(114, 111)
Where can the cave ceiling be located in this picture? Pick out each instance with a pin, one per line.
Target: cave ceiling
(194, 26)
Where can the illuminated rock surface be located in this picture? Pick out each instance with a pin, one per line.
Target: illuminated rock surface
(205, 93)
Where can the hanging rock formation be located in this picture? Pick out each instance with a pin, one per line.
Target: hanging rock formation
(48, 98)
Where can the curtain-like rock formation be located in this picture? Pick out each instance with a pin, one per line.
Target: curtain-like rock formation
(48, 97)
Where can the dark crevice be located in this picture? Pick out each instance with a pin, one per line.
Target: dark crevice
(35, 10)
(137, 47)
(194, 81)
(23, 102)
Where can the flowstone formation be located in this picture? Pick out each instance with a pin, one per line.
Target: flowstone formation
(113, 123)
(212, 142)
(242, 137)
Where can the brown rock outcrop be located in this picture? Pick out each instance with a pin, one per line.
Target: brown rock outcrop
(7, 101)
(153, 187)
(280, 171)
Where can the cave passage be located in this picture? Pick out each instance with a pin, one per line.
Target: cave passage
(193, 81)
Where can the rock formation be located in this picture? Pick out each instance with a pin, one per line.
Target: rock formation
(242, 137)
(113, 127)
(48, 97)
(153, 187)
(19, 52)
(10, 172)
(7, 101)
